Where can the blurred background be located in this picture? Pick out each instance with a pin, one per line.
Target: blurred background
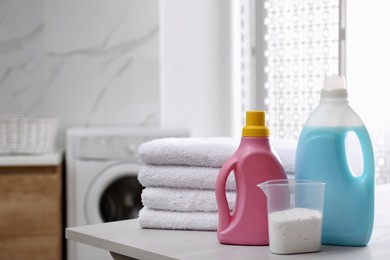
(193, 67)
(85, 62)
(193, 64)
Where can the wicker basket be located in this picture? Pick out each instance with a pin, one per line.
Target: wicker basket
(27, 135)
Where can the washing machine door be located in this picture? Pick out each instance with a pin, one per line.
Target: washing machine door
(115, 194)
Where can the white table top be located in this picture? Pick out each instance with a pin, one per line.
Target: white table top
(126, 240)
(31, 160)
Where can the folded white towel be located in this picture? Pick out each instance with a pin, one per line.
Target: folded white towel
(207, 152)
(286, 151)
(178, 176)
(185, 200)
(158, 219)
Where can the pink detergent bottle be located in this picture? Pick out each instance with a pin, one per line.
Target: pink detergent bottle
(254, 162)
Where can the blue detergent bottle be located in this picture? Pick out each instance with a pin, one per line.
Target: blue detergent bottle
(323, 155)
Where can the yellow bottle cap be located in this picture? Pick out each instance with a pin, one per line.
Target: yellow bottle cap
(255, 124)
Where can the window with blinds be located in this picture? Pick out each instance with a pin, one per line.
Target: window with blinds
(301, 48)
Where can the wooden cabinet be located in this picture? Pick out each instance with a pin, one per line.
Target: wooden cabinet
(31, 212)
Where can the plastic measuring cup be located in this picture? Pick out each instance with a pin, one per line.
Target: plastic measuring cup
(295, 210)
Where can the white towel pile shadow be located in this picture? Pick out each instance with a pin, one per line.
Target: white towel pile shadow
(179, 176)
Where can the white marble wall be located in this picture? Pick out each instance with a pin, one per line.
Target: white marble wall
(21, 55)
(90, 62)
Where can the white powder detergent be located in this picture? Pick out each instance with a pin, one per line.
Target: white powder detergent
(296, 230)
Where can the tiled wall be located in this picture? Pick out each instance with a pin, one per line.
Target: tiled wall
(90, 62)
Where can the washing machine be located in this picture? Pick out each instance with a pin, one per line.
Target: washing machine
(102, 185)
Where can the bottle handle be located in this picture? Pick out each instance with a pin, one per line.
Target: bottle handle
(224, 217)
(367, 154)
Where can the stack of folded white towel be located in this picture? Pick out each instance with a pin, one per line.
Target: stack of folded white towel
(179, 176)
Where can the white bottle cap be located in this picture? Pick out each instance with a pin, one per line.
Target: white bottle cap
(334, 87)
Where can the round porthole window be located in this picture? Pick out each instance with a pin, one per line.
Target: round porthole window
(121, 199)
(115, 194)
